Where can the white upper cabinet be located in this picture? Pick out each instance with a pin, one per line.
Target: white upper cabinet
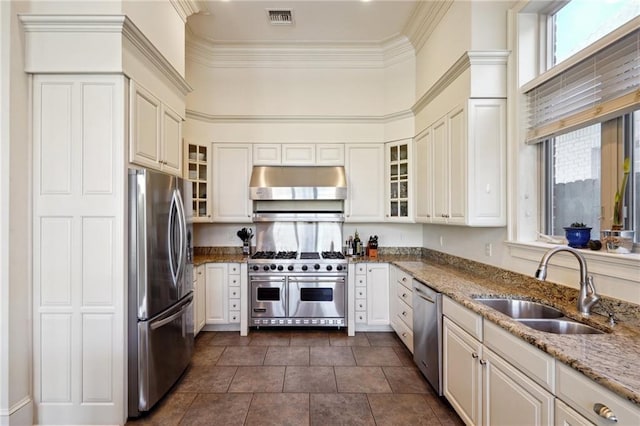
(399, 185)
(230, 174)
(463, 154)
(365, 183)
(197, 172)
(423, 177)
(298, 154)
(155, 132)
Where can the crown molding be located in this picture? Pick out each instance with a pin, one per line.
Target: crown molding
(186, 8)
(465, 62)
(248, 119)
(100, 25)
(423, 21)
(298, 55)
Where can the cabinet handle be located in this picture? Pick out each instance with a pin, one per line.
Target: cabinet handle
(404, 279)
(483, 362)
(474, 355)
(404, 313)
(604, 412)
(404, 295)
(404, 334)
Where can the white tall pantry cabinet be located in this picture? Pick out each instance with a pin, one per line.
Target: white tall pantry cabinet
(81, 133)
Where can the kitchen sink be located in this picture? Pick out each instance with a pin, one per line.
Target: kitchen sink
(537, 315)
(560, 326)
(517, 308)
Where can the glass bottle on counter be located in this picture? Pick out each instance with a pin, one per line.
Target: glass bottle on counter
(357, 244)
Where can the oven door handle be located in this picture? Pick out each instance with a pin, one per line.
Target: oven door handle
(262, 310)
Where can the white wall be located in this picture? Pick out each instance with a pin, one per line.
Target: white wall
(15, 301)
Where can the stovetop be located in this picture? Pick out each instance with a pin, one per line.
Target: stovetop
(290, 262)
(294, 255)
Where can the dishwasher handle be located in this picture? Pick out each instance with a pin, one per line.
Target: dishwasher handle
(423, 295)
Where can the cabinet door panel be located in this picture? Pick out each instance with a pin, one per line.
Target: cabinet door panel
(424, 177)
(330, 154)
(231, 173)
(462, 376)
(365, 175)
(457, 166)
(267, 154)
(298, 154)
(171, 142)
(378, 294)
(145, 127)
(440, 172)
(217, 306)
(512, 398)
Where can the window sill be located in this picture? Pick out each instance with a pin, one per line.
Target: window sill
(621, 266)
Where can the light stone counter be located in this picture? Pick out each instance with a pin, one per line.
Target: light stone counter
(611, 359)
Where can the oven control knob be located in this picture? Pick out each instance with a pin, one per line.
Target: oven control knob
(316, 266)
(290, 267)
(273, 267)
(329, 267)
(256, 267)
(280, 267)
(265, 267)
(304, 267)
(339, 267)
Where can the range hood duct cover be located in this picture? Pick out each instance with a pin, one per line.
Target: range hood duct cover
(298, 183)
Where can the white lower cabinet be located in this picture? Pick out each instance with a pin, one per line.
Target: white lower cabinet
(588, 399)
(567, 416)
(401, 305)
(223, 294)
(216, 307)
(371, 297)
(484, 388)
(200, 298)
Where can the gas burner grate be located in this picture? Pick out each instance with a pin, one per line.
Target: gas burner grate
(286, 255)
(332, 255)
(309, 255)
(264, 255)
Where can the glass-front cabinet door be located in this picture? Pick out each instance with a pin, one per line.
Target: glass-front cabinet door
(197, 173)
(399, 169)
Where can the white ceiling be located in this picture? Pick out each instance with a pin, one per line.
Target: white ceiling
(315, 21)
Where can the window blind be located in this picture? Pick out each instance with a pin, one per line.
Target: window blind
(602, 86)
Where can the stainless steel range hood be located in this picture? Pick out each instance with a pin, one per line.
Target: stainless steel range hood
(298, 183)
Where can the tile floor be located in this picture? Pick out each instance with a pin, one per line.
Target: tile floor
(301, 377)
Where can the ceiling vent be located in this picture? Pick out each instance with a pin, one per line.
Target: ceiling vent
(280, 16)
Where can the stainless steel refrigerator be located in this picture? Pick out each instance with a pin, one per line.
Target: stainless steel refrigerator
(160, 297)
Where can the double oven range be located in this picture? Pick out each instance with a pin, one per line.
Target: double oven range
(290, 288)
(298, 276)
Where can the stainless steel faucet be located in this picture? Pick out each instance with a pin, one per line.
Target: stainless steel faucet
(587, 296)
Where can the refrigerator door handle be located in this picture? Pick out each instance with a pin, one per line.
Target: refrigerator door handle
(176, 252)
(157, 323)
(182, 223)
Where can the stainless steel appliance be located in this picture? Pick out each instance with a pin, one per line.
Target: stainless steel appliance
(298, 275)
(298, 289)
(427, 333)
(160, 310)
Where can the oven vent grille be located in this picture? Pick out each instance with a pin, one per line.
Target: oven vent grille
(280, 16)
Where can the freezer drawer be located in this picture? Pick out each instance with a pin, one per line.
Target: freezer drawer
(165, 347)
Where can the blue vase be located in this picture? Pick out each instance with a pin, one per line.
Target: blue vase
(577, 237)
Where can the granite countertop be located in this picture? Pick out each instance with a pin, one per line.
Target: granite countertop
(610, 359)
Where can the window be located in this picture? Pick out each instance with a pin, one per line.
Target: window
(581, 22)
(585, 113)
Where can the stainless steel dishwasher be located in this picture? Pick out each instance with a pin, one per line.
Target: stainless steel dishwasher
(427, 333)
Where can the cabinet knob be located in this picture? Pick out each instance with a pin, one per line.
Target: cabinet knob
(483, 362)
(404, 295)
(474, 355)
(404, 334)
(404, 279)
(604, 412)
(404, 313)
